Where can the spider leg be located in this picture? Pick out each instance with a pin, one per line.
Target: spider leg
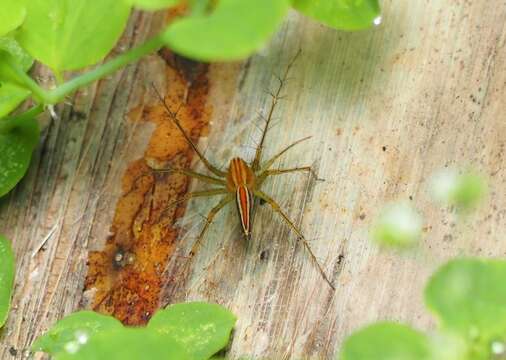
(194, 174)
(274, 205)
(209, 219)
(255, 165)
(269, 162)
(194, 194)
(261, 178)
(174, 118)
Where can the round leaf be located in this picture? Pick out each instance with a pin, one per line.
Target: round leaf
(127, 343)
(233, 30)
(7, 271)
(12, 15)
(386, 341)
(11, 51)
(469, 297)
(463, 190)
(399, 225)
(201, 328)
(153, 4)
(72, 34)
(74, 328)
(342, 14)
(16, 147)
(11, 95)
(9, 44)
(471, 189)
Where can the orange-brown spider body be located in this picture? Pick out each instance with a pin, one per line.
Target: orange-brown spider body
(241, 181)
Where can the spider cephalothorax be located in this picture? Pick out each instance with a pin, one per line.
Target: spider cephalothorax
(242, 182)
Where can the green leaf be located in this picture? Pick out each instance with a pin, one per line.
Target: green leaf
(72, 34)
(233, 30)
(470, 190)
(16, 147)
(201, 328)
(469, 297)
(399, 225)
(12, 15)
(9, 44)
(7, 271)
(153, 4)
(464, 190)
(341, 14)
(127, 343)
(11, 51)
(11, 95)
(446, 345)
(72, 328)
(386, 341)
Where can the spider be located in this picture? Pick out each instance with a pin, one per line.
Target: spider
(242, 181)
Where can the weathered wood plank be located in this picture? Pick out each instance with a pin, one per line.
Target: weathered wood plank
(386, 108)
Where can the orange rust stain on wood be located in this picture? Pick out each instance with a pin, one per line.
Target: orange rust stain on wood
(127, 276)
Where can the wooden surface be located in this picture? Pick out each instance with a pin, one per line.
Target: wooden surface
(386, 108)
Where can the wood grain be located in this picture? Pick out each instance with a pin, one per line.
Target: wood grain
(386, 108)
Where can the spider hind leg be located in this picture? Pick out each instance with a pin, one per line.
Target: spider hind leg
(276, 208)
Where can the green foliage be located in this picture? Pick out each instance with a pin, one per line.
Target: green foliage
(470, 189)
(17, 142)
(341, 14)
(201, 328)
(463, 190)
(9, 45)
(191, 331)
(153, 4)
(11, 92)
(71, 328)
(72, 34)
(7, 272)
(12, 15)
(386, 341)
(469, 298)
(399, 225)
(127, 343)
(11, 95)
(233, 30)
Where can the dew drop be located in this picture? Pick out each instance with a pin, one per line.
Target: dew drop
(71, 347)
(81, 337)
(498, 348)
(377, 20)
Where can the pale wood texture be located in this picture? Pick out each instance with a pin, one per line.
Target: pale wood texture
(386, 108)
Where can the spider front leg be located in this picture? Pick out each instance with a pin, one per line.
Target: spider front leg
(255, 165)
(175, 120)
(276, 208)
(271, 161)
(264, 175)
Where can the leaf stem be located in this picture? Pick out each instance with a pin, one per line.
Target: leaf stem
(56, 95)
(27, 81)
(10, 122)
(103, 70)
